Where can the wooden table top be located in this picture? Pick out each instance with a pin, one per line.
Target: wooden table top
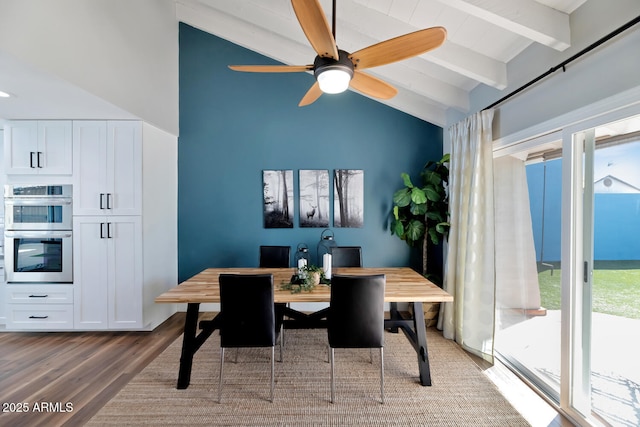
(402, 285)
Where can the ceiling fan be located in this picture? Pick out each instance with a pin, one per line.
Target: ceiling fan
(334, 69)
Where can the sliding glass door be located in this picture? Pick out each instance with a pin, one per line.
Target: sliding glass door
(610, 373)
(571, 327)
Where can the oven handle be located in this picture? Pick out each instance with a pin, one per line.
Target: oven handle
(55, 201)
(46, 234)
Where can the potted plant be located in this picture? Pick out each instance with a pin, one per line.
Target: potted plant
(420, 214)
(308, 277)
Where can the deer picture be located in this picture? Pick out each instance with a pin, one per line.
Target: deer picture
(312, 212)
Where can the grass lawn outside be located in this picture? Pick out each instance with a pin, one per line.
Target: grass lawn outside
(616, 287)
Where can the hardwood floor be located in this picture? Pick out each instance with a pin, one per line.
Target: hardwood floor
(63, 379)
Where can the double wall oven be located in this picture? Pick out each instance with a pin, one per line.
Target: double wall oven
(38, 235)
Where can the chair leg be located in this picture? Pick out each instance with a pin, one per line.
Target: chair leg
(221, 371)
(281, 341)
(382, 373)
(333, 385)
(272, 370)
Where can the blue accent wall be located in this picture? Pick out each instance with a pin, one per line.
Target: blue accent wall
(235, 125)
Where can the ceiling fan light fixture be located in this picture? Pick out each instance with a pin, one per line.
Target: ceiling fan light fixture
(334, 80)
(333, 76)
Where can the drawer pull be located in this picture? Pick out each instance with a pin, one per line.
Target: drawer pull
(38, 317)
(38, 296)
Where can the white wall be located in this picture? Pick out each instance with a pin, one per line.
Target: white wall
(123, 51)
(159, 221)
(610, 69)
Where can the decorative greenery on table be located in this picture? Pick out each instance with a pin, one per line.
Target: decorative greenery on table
(311, 276)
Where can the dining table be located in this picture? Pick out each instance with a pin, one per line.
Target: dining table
(403, 285)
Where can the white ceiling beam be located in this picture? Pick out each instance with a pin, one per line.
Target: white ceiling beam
(240, 32)
(527, 18)
(451, 56)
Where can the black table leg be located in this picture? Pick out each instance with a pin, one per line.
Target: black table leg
(189, 347)
(421, 347)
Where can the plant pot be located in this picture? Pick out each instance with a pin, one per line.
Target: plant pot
(314, 278)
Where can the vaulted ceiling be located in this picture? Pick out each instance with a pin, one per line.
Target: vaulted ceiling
(482, 37)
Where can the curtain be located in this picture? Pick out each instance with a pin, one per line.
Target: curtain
(517, 288)
(470, 267)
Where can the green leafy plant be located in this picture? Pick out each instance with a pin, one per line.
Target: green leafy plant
(423, 211)
(309, 276)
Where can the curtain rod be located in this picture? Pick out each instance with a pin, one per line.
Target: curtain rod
(563, 64)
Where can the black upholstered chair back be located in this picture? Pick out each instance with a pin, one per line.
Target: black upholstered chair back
(275, 256)
(247, 310)
(356, 312)
(346, 256)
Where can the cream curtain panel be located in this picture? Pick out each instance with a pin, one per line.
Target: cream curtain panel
(517, 288)
(470, 266)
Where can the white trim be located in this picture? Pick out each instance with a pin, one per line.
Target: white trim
(606, 107)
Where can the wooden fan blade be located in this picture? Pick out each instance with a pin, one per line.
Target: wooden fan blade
(311, 96)
(399, 48)
(316, 28)
(372, 86)
(271, 68)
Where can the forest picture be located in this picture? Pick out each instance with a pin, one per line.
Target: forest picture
(277, 189)
(348, 198)
(314, 198)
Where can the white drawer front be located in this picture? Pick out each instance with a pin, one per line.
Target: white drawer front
(39, 316)
(39, 294)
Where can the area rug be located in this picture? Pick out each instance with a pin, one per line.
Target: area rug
(461, 395)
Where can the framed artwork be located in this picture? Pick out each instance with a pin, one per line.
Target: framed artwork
(314, 198)
(348, 198)
(277, 193)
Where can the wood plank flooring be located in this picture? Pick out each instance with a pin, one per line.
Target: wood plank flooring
(64, 378)
(87, 369)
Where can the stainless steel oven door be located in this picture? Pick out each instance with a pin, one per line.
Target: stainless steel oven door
(38, 213)
(38, 256)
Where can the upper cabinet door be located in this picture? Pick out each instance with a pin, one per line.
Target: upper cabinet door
(107, 157)
(124, 167)
(90, 166)
(38, 147)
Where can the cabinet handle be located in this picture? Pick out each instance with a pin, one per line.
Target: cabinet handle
(31, 159)
(38, 317)
(109, 199)
(109, 236)
(38, 157)
(38, 296)
(102, 230)
(101, 199)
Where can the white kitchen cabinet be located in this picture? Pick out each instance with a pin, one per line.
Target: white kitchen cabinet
(108, 272)
(39, 307)
(3, 308)
(33, 147)
(107, 161)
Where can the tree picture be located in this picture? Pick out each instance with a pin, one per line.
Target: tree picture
(348, 198)
(277, 190)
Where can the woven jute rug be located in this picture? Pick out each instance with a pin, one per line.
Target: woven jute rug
(460, 395)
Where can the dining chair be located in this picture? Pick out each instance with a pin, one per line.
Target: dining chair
(248, 317)
(346, 256)
(356, 318)
(275, 256)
